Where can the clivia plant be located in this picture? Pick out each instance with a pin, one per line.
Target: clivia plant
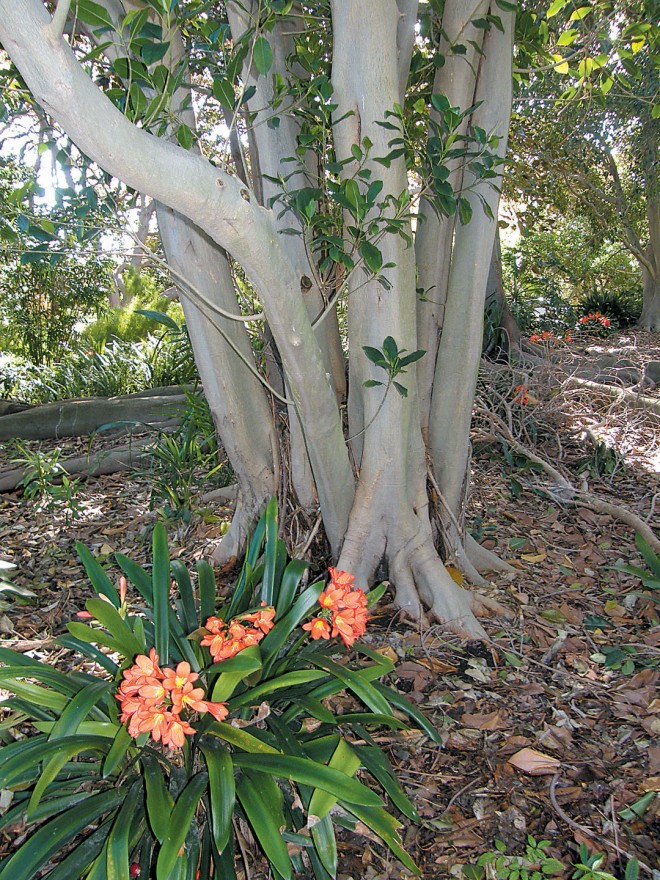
(175, 720)
(594, 324)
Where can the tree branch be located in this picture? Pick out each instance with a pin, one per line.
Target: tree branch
(58, 21)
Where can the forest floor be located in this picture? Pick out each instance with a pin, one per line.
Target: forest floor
(551, 729)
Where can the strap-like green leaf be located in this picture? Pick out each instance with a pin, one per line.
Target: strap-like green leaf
(377, 764)
(222, 789)
(276, 638)
(81, 857)
(345, 758)
(160, 579)
(386, 827)
(267, 592)
(87, 650)
(400, 702)
(288, 680)
(265, 821)
(52, 837)
(100, 580)
(325, 843)
(122, 742)
(159, 801)
(207, 590)
(361, 688)
(63, 730)
(35, 694)
(311, 773)
(290, 582)
(120, 631)
(235, 736)
(178, 825)
(188, 609)
(117, 847)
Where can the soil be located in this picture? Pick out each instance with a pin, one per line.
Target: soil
(551, 728)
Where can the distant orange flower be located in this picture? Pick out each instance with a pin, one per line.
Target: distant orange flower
(521, 395)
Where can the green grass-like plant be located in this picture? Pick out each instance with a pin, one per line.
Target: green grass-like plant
(100, 804)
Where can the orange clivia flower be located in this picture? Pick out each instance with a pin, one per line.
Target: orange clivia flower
(318, 628)
(153, 699)
(344, 611)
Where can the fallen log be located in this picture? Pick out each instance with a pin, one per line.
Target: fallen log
(92, 464)
(77, 418)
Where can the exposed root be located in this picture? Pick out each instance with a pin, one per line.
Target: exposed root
(483, 559)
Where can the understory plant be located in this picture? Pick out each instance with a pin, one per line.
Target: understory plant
(174, 721)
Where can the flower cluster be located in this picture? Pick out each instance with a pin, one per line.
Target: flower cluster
(521, 394)
(225, 640)
(344, 610)
(594, 322)
(153, 700)
(545, 336)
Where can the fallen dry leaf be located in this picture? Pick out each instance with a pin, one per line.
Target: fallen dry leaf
(535, 763)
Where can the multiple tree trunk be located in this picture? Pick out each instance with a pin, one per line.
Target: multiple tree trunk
(372, 487)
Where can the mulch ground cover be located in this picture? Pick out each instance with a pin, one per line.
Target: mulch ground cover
(550, 729)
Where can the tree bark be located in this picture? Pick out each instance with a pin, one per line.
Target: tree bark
(459, 352)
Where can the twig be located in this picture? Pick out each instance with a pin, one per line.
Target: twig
(589, 833)
(241, 846)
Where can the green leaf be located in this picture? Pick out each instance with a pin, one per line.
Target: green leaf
(361, 688)
(179, 824)
(161, 592)
(93, 14)
(222, 789)
(159, 801)
(189, 611)
(288, 680)
(206, 585)
(122, 742)
(386, 827)
(401, 703)
(267, 592)
(311, 773)
(650, 557)
(344, 757)
(54, 836)
(567, 37)
(555, 7)
(235, 736)
(159, 318)
(223, 91)
(290, 582)
(276, 638)
(184, 136)
(65, 727)
(153, 52)
(325, 843)
(120, 631)
(377, 764)
(99, 579)
(265, 821)
(262, 55)
(117, 846)
(375, 356)
(371, 256)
